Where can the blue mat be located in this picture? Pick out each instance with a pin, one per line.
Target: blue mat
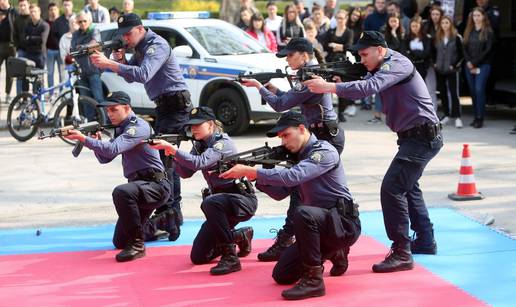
(471, 256)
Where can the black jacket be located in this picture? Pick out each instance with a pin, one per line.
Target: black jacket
(8, 25)
(449, 54)
(478, 51)
(345, 39)
(19, 31)
(36, 36)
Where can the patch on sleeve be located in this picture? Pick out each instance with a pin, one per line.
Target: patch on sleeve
(219, 145)
(131, 131)
(386, 67)
(151, 50)
(317, 156)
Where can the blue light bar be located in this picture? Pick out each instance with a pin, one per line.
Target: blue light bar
(178, 15)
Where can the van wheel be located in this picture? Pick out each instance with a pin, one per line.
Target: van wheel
(229, 108)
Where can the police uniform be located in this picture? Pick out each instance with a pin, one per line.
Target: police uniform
(326, 221)
(155, 65)
(409, 112)
(322, 122)
(225, 203)
(147, 187)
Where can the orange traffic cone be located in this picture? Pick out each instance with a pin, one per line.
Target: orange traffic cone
(467, 189)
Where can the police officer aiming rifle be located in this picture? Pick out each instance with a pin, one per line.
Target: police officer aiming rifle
(325, 221)
(410, 113)
(154, 65)
(147, 187)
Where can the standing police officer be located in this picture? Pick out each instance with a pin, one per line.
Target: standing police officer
(322, 122)
(325, 222)
(409, 112)
(147, 187)
(154, 65)
(225, 203)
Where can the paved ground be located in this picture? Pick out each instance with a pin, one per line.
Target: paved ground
(43, 185)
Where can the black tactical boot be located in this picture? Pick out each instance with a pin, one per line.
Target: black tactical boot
(311, 284)
(134, 249)
(340, 262)
(169, 221)
(228, 263)
(424, 244)
(399, 258)
(273, 253)
(243, 237)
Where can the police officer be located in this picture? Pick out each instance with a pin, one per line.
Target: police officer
(325, 222)
(225, 203)
(322, 121)
(154, 65)
(147, 187)
(409, 112)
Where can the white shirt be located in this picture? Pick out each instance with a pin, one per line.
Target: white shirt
(416, 44)
(273, 24)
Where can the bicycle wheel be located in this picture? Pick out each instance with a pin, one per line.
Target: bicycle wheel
(23, 117)
(63, 115)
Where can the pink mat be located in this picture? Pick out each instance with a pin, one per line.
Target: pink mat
(166, 277)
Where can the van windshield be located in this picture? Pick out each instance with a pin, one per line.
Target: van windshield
(225, 41)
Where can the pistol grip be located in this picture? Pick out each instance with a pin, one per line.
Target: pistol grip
(77, 149)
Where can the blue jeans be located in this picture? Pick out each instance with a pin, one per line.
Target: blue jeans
(94, 83)
(477, 87)
(378, 105)
(52, 58)
(401, 198)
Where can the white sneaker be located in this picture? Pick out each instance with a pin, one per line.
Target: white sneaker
(351, 110)
(445, 120)
(458, 123)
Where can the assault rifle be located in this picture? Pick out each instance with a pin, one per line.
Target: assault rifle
(86, 50)
(346, 70)
(267, 156)
(90, 128)
(264, 77)
(171, 138)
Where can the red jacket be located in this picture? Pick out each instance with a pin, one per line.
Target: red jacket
(270, 39)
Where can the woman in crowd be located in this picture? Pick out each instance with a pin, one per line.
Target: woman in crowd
(273, 20)
(291, 26)
(478, 54)
(448, 59)
(355, 23)
(245, 18)
(259, 31)
(431, 27)
(417, 46)
(336, 42)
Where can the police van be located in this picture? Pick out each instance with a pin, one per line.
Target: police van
(211, 54)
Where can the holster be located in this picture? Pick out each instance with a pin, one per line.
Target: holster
(175, 101)
(343, 210)
(328, 129)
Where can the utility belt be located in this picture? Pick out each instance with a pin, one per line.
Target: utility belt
(345, 208)
(427, 131)
(324, 129)
(243, 187)
(178, 100)
(148, 175)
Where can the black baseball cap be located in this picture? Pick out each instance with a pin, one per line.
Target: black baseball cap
(288, 119)
(369, 39)
(126, 22)
(200, 115)
(296, 44)
(115, 98)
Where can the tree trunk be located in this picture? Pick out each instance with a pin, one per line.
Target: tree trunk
(43, 5)
(229, 11)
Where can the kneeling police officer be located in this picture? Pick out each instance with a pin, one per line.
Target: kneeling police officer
(147, 187)
(326, 220)
(225, 203)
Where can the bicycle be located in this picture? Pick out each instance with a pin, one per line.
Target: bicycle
(26, 113)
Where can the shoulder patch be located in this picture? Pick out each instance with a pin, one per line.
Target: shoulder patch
(386, 67)
(317, 156)
(151, 50)
(131, 131)
(219, 145)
